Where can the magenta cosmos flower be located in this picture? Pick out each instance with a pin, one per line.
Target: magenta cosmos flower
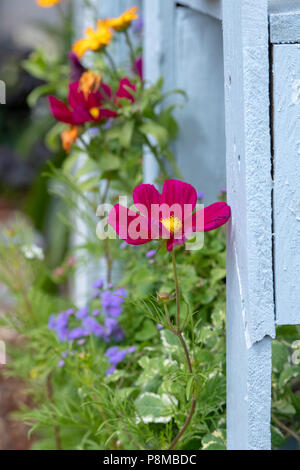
(169, 215)
(80, 108)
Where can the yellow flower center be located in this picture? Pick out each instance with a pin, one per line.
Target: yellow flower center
(94, 112)
(173, 224)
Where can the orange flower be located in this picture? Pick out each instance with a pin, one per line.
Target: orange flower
(47, 3)
(95, 39)
(122, 22)
(68, 137)
(89, 83)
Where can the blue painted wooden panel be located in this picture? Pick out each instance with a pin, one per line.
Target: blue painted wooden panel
(209, 7)
(286, 79)
(200, 148)
(250, 307)
(284, 21)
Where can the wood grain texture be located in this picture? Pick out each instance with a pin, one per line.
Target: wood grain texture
(250, 306)
(286, 72)
(284, 21)
(200, 147)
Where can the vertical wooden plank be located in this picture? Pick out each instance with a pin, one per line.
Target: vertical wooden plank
(159, 34)
(250, 305)
(200, 147)
(286, 79)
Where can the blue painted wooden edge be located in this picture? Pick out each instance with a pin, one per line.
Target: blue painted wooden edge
(250, 303)
(284, 22)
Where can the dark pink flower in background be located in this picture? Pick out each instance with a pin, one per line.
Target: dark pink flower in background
(76, 67)
(81, 109)
(124, 89)
(138, 68)
(168, 215)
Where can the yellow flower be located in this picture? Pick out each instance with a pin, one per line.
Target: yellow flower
(94, 40)
(122, 22)
(47, 3)
(68, 137)
(89, 83)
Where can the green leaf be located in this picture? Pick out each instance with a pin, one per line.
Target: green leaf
(277, 438)
(147, 332)
(213, 441)
(159, 133)
(188, 389)
(280, 356)
(126, 134)
(153, 408)
(284, 407)
(287, 374)
(109, 162)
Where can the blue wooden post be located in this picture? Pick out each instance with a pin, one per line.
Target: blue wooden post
(250, 305)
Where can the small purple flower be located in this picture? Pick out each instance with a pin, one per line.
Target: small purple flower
(131, 349)
(117, 357)
(91, 325)
(61, 363)
(138, 25)
(108, 124)
(159, 326)
(96, 295)
(81, 342)
(95, 312)
(111, 370)
(77, 333)
(223, 190)
(83, 312)
(150, 254)
(111, 351)
(123, 245)
(99, 284)
(52, 322)
(200, 194)
(94, 131)
(65, 354)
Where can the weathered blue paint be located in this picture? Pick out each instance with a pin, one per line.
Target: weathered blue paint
(250, 306)
(284, 21)
(286, 128)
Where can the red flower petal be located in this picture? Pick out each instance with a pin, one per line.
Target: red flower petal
(215, 215)
(60, 110)
(123, 91)
(181, 194)
(143, 196)
(129, 225)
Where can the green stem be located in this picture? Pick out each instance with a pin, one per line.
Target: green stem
(177, 292)
(178, 333)
(112, 63)
(155, 153)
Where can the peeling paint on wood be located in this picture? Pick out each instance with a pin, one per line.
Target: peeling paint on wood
(286, 79)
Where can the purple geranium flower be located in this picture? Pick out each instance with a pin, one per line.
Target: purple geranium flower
(150, 254)
(92, 326)
(99, 284)
(83, 312)
(77, 333)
